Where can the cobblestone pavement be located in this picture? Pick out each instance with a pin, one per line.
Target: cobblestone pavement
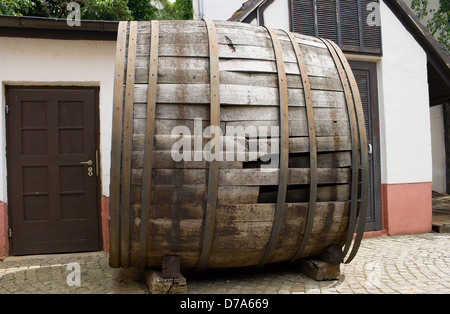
(395, 264)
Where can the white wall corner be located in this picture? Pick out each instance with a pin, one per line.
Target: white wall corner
(404, 105)
(3, 174)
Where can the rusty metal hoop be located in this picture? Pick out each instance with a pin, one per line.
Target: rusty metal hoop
(127, 140)
(213, 176)
(312, 146)
(355, 145)
(359, 146)
(284, 149)
(364, 154)
(149, 139)
(116, 144)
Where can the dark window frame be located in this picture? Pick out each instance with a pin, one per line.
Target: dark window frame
(367, 37)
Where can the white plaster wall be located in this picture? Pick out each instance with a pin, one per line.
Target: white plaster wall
(26, 61)
(277, 15)
(404, 105)
(217, 9)
(438, 149)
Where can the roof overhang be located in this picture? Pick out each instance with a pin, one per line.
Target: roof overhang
(39, 27)
(246, 10)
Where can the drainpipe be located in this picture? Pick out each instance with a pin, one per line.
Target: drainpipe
(260, 13)
(200, 9)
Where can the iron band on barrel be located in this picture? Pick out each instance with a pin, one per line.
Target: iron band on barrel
(312, 145)
(355, 130)
(149, 139)
(284, 149)
(213, 176)
(127, 141)
(117, 145)
(364, 155)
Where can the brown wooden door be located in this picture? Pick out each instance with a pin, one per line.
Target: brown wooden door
(52, 196)
(366, 77)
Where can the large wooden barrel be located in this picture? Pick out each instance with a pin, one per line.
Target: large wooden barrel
(284, 177)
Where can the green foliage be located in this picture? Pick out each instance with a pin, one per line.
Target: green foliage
(142, 10)
(179, 10)
(184, 9)
(165, 10)
(15, 7)
(440, 21)
(42, 8)
(115, 10)
(420, 7)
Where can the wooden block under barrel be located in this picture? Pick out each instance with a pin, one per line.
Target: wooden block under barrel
(171, 267)
(159, 285)
(319, 270)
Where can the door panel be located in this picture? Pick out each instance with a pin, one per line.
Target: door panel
(52, 195)
(366, 78)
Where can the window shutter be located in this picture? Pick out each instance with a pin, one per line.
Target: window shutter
(372, 34)
(343, 21)
(327, 19)
(349, 18)
(303, 17)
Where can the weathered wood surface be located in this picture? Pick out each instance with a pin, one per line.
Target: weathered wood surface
(237, 113)
(236, 95)
(249, 119)
(246, 228)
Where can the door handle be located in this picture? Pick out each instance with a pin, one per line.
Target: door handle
(87, 163)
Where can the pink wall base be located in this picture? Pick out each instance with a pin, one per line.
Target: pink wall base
(105, 223)
(407, 208)
(4, 243)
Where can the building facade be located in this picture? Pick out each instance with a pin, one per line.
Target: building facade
(47, 64)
